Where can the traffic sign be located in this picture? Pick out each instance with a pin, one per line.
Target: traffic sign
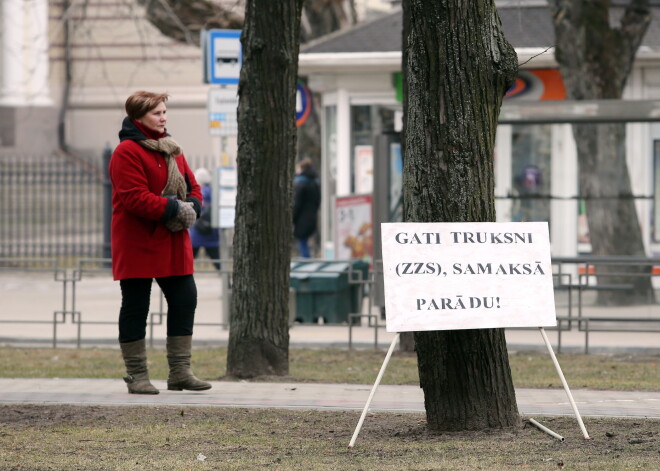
(223, 56)
(303, 103)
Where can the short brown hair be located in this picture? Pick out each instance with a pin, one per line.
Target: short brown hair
(305, 163)
(141, 102)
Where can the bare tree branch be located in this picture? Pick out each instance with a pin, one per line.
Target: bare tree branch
(183, 21)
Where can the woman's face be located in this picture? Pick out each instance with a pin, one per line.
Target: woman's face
(155, 119)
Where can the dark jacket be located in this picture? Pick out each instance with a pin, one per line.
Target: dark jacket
(306, 203)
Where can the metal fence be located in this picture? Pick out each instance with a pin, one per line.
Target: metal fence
(51, 207)
(78, 299)
(57, 206)
(55, 213)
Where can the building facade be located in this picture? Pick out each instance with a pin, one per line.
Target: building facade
(66, 68)
(358, 74)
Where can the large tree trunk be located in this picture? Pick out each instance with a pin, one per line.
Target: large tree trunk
(457, 67)
(259, 329)
(595, 61)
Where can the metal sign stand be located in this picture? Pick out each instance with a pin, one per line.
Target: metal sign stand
(564, 383)
(373, 390)
(533, 422)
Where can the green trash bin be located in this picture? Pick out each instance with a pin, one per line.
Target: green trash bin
(358, 275)
(322, 291)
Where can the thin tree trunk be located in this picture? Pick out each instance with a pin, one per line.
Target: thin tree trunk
(457, 67)
(259, 330)
(613, 224)
(595, 60)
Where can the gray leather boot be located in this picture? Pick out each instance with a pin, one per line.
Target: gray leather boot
(178, 358)
(135, 359)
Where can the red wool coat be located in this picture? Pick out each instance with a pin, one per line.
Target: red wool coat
(142, 247)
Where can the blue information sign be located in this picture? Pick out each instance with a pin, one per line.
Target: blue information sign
(224, 56)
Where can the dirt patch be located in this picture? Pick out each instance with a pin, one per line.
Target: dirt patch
(64, 437)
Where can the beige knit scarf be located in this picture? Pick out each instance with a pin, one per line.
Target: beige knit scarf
(167, 146)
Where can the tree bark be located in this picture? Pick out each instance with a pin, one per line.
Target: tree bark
(259, 330)
(407, 342)
(595, 60)
(457, 67)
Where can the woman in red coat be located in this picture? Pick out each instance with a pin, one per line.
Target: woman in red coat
(155, 198)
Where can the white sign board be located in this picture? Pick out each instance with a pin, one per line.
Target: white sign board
(225, 181)
(452, 276)
(222, 108)
(226, 217)
(224, 56)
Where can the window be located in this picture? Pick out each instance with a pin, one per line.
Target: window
(655, 223)
(367, 121)
(530, 172)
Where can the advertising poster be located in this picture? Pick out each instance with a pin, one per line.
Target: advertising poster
(354, 228)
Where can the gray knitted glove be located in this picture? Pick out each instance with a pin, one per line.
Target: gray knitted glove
(184, 219)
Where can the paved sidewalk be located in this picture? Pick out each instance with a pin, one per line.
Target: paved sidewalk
(32, 298)
(531, 402)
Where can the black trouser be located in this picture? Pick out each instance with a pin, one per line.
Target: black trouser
(212, 252)
(180, 293)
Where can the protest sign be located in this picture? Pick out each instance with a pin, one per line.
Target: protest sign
(477, 275)
(449, 276)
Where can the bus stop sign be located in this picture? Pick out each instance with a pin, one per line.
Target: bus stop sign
(223, 56)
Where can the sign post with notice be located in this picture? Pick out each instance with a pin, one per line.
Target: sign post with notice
(454, 276)
(451, 276)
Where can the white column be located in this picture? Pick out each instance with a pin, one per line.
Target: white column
(502, 165)
(39, 87)
(13, 60)
(564, 184)
(343, 142)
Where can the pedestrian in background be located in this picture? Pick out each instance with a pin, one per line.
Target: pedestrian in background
(155, 198)
(306, 203)
(202, 234)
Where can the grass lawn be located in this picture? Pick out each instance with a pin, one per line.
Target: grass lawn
(529, 370)
(89, 438)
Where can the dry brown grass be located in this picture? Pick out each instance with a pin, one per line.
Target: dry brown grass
(86, 438)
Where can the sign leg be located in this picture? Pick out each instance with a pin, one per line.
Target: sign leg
(373, 390)
(564, 383)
